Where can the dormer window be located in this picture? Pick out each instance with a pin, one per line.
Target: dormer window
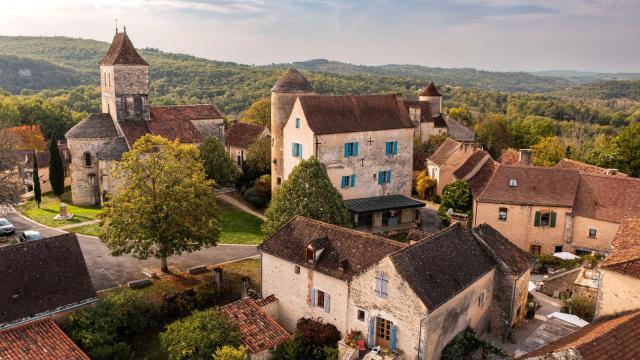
(311, 256)
(513, 183)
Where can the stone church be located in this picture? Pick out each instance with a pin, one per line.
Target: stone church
(100, 139)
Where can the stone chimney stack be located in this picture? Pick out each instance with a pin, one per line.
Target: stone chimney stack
(463, 219)
(526, 157)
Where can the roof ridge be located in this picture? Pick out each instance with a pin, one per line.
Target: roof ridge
(631, 178)
(356, 232)
(425, 239)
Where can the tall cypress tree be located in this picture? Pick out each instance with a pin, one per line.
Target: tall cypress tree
(37, 193)
(56, 169)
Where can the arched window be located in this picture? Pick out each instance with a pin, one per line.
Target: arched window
(109, 76)
(87, 159)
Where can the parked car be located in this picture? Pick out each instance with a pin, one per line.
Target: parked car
(30, 235)
(6, 228)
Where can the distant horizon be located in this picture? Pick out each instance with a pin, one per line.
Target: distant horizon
(491, 35)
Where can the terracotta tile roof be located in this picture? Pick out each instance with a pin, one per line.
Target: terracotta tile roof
(122, 52)
(458, 131)
(266, 301)
(476, 158)
(190, 112)
(292, 81)
(583, 168)
(258, 330)
(444, 151)
(133, 130)
(504, 250)
(242, 135)
(617, 338)
(25, 158)
(442, 265)
(624, 256)
(40, 276)
(509, 156)
(41, 339)
(354, 113)
(430, 90)
(480, 180)
(360, 250)
(609, 198)
(535, 186)
(461, 154)
(94, 126)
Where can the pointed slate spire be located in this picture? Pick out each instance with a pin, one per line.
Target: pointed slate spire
(122, 52)
(430, 90)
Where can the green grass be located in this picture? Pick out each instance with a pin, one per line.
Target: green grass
(91, 229)
(238, 227)
(50, 207)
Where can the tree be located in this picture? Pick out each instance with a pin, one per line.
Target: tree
(455, 196)
(37, 192)
(493, 133)
(423, 184)
(217, 162)
(258, 161)
(258, 113)
(199, 335)
(10, 181)
(27, 137)
(230, 353)
(627, 149)
(166, 205)
(548, 151)
(56, 168)
(307, 192)
(460, 114)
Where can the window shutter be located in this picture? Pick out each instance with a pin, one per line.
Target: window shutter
(371, 332)
(380, 177)
(395, 148)
(327, 303)
(537, 219)
(346, 150)
(353, 180)
(384, 284)
(355, 149)
(553, 219)
(378, 285)
(393, 338)
(293, 150)
(300, 150)
(388, 176)
(345, 182)
(387, 148)
(312, 297)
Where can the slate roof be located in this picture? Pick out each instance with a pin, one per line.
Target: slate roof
(430, 90)
(609, 198)
(379, 203)
(584, 168)
(509, 156)
(40, 276)
(536, 186)
(25, 158)
(292, 81)
(444, 151)
(114, 149)
(425, 109)
(458, 131)
(258, 330)
(624, 257)
(354, 113)
(480, 180)
(611, 339)
(471, 163)
(242, 135)
(515, 258)
(122, 52)
(94, 126)
(361, 250)
(441, 266)
(41, 339)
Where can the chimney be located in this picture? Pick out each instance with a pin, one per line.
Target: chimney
(525, 157)
(611, 172)
(468, 146)
(463, 219)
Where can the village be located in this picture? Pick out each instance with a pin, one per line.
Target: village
(329, 233)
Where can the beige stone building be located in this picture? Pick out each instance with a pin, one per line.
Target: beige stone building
(240, 136)
(99, 140)
(409, 298)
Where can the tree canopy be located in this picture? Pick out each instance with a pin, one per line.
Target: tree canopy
(218, 165)
(56, 168)
(258, 113)
(258, 160)
(166, 206)
(455, 196)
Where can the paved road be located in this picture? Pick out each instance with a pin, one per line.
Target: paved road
(430, 221)
(108, 271)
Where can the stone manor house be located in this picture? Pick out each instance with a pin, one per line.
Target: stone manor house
(97, 141)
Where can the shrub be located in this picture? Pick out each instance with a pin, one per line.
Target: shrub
(313, 340)
(259, 194)
(456, 196)
(579, 305)
(423, 184)
(464, 344)
(199, 335)
(317, 333)
(230, 353)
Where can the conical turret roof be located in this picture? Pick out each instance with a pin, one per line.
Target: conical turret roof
(122, 52)
(430, 90)
(292, 81)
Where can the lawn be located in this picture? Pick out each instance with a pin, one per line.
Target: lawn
(50, 207)
(91, 229)
(238, 227)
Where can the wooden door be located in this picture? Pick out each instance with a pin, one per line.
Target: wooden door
(383, 332)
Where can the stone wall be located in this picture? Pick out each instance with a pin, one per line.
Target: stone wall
(130, 81)
(281, 105)
(210, 127)
(85, 187)
(510, 302)
(605, 232)
(617, 294)
(565, 283)
(108, 184)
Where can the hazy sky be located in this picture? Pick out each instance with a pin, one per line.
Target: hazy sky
(592, 35)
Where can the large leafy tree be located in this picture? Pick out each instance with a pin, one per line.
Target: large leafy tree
(627, 149)
(199, 335)
(493, 133)
(258, 161)
(218, 165)
(457, 197)
(167, 206)
(307, 192)
(258, 113)
(56, 168)
(548, 151)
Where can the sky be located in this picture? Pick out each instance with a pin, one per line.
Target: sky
(500, 35)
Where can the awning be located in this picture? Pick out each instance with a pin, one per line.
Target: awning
(566, 255)
(381, 203)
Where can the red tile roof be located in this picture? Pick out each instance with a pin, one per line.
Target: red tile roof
(618, 338)
(133, 130)
(509, 156)
(122, 52)
(430, 90)
(584, 168)
(624, 257)
(609, 198)
(258, 330)
(242, 135)
(41, 339)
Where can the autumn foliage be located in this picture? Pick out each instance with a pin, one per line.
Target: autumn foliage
(27, 137)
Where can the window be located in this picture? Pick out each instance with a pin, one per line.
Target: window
(593, 232)
(481, 298)
(350, 149)
(502, 214)
(382, 284)
(384, 177)
(513, 183)
(297, 269)
(297, 123)
(557, 249)
(360, 315)
(545, 218)
(348, 181)
(535, 250)
(391, 148)
(278, 181)
(311, 255)
(296, 150)
(319, 298)
(87, 159)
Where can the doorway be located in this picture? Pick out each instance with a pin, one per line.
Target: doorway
(383, 332)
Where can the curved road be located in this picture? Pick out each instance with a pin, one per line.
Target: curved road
(109, 271)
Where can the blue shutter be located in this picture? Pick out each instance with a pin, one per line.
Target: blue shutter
(380, 177)
(384, 282)
(355, 149)
(387, 148)
(353, 180)
(393, 338)
(312, 297)
(300, 150)
(346, 150)
(371, 332)
(388, 176)
(293, 149)
(395, 148)
(327, 303)
(345, 182)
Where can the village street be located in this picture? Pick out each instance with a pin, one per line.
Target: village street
(107, 271)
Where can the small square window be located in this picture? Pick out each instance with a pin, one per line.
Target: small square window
(502, 214)
(513, 182)
(557, 249)
(360, 315)
(311, 255)
(593, 233)
(297, 269)
(297, 123)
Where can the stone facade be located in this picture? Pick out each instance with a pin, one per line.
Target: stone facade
(85, 179)
(581, 240)
(618, 294)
